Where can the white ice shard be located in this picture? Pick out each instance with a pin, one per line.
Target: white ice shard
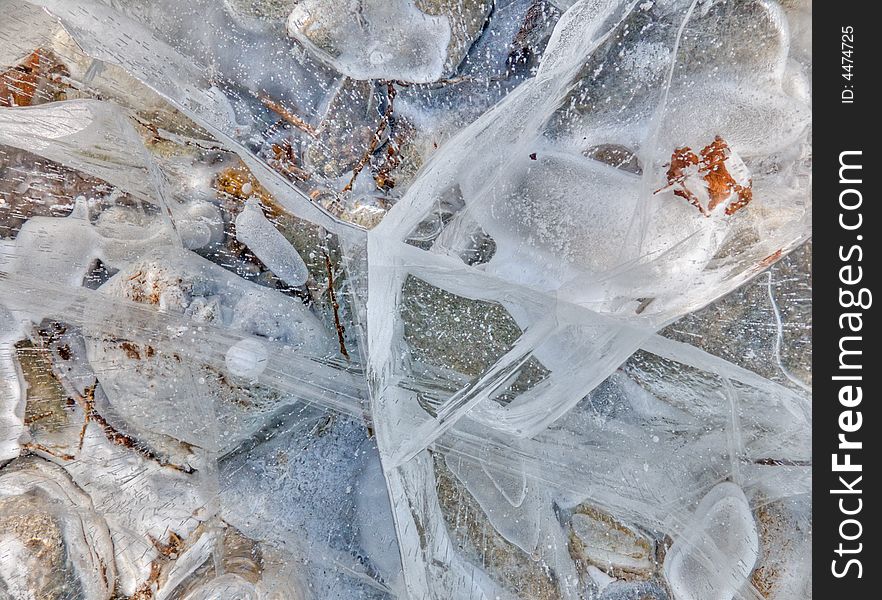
(88, 135)
(714, 555)
(12, 389)
(255, 231)
(54, 249)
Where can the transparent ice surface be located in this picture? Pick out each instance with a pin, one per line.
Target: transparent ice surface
(453, 299)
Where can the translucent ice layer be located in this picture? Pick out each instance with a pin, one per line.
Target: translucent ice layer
(429, 299)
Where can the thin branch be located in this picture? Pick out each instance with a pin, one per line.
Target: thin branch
(287, 115)
(336, 306)
(35, 447)
(378, 135)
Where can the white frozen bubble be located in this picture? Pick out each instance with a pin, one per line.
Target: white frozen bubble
(714, 556)
(264, 240)
(247, 358)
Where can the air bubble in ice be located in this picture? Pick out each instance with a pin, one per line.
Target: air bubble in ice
(255, 231)
(714, 556)
(247, 358)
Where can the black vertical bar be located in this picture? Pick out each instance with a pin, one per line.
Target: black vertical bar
(846, 243)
